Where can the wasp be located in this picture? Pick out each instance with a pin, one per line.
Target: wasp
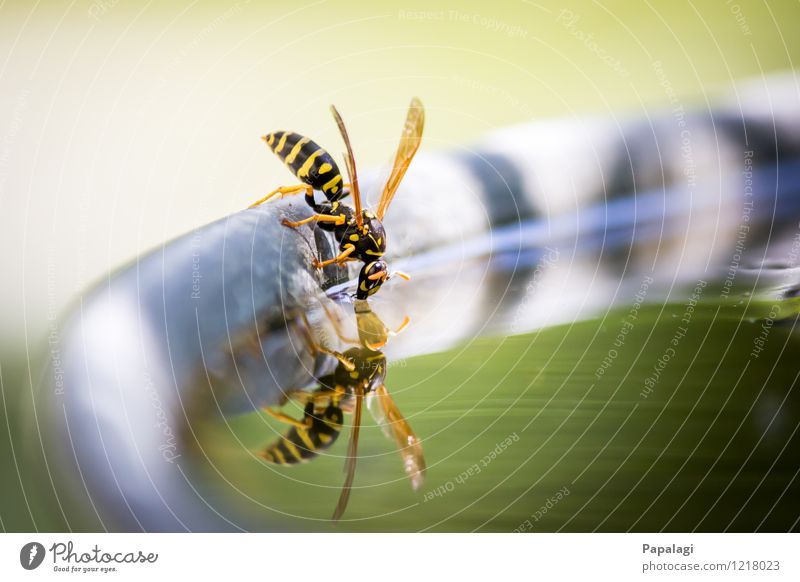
(359, 374)
(359, 232)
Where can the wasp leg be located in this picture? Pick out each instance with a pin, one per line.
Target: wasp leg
(285, 191)
(349, 366)
(285, 418)
(341, 258)
(308, 336)
(314, 218)
(315, 348)
(337, 326)
(337, 329)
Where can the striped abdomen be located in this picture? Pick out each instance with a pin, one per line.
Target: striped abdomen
(300, 445)
(308, 161)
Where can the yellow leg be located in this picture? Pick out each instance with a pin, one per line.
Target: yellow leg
(349, 366)
(314, 218)
(348, 340)
(337, 325)
(338, 259)
(284, 191)
(308, 335)
(285, 418)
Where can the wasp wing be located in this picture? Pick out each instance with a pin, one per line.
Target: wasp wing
(352, 452)
(350, 162)
(395, 427)
(409, 144)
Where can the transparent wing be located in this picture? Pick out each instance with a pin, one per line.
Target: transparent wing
(409, 144)
(395, 427)
(376, 410)
(350, 162)
(352, 455)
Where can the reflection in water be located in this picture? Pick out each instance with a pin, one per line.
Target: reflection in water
(630, 458)
(360, 374)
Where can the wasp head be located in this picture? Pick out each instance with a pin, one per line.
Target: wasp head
(371, 277)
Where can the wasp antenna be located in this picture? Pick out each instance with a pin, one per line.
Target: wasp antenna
(350, 163)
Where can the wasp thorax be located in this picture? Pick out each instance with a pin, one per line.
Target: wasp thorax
(368, 240)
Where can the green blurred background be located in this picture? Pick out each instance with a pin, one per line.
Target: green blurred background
(711, 448)
(127, 124)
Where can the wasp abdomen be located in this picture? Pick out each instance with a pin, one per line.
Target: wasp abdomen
(308, 161)
(297, 446)
(302, 444)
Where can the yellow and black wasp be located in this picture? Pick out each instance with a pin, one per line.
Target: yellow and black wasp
(359, 374)
(358, 231)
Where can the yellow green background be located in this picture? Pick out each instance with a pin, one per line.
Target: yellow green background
(128, 123)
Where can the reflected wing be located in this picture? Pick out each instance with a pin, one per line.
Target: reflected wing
(396, 427)
(352, 452)
(409, 144)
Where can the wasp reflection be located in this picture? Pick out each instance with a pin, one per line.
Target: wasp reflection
(359, 375)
